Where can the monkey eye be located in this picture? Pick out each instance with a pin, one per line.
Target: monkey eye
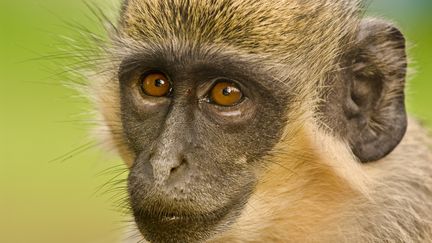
(155, 84)
(226, 93)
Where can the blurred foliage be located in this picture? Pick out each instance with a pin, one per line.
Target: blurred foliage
(46, 200)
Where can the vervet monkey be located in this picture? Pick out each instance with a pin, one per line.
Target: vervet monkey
(264, 121)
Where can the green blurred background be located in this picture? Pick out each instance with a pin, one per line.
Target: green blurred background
(58, 201)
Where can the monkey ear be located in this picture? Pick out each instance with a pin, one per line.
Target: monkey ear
(375, 104)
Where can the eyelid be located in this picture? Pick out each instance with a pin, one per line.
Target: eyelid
(154, 71)
(204, 89)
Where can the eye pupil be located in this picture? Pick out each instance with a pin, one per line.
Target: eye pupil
(159, 83)
(227, 91)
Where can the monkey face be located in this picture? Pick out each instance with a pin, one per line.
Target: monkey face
(210, 91)
(199, 127)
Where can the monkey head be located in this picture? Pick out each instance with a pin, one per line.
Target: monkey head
(203, 97)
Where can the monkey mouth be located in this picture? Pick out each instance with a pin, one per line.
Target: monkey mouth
(177, 227)
(159, 226)
(173, 217)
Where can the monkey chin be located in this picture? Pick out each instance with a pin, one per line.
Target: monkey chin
(159, 226)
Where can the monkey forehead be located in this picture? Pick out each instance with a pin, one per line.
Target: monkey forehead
(288, 28)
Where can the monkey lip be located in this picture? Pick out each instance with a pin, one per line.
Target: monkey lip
(171, 218)
(159, 226)
(173, 227)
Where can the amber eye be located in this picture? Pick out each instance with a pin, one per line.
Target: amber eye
(156, 84)
(226, 94)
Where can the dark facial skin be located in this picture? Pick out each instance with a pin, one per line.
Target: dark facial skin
(195, 160)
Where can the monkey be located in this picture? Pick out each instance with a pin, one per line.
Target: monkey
(264, 121)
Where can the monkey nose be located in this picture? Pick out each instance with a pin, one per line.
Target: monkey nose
(169, 170)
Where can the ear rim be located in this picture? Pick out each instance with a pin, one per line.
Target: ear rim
(372, 32)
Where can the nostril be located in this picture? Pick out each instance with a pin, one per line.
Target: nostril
(179, 174)
(182, 163)
(173, 170)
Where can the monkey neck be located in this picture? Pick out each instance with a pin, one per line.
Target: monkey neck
(300, 191)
